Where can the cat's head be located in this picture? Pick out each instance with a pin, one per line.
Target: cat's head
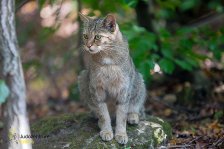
(99, 33)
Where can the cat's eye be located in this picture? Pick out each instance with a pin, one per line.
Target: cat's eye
(97, 37)
(85, 36)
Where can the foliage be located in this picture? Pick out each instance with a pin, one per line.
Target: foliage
(4, 91)
(172, 50)
(171, 44)
(105, 6)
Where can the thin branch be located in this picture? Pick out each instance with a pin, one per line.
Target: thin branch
(219, 141)
(194, 140)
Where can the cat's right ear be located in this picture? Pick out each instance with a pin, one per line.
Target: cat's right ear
(110, 22)
(84, 18)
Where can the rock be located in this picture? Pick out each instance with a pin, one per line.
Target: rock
(81, 132)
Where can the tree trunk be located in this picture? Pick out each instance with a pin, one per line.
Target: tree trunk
(144, 15)
(14, 110)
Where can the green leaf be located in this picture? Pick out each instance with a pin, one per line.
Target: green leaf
(53, 1)
(167, 65)
(164, 35)
(169, 4)
(217, 54)
(192, 62)
(145, 68)
(150, 63)
(219, 114)
(163, 13)
(216, 5)
(41, 3)
(131, 3)
(167, 53)
(45, 33)
(4, 91)
(188, 4)
(183, 31)
(183, 64)
(185, 44)
(32, 63)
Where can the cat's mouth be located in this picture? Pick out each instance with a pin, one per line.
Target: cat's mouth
(93, 51)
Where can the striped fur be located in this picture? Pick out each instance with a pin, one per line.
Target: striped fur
(110, 75)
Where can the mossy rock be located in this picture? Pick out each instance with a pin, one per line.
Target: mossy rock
(81, 132)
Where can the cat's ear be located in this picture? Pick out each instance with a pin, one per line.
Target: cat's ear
(110, 22)
(84, 18)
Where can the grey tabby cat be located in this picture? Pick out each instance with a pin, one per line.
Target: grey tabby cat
(110, 73)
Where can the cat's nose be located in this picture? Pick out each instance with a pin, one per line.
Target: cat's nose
(89, 45)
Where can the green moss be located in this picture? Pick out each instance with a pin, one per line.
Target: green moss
(52, 124)
(81, 131)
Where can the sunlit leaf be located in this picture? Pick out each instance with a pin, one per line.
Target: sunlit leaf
(131, 3)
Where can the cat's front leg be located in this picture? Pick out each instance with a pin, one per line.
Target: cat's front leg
(101, 111)
(104, 122)
(121, 118)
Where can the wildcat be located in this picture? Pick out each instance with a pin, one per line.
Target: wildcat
(110, 73)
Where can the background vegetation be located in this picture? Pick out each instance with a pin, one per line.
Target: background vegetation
(177, 45)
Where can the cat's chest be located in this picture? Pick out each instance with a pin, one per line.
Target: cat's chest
(109, 72)
(107, 61)
(109, 76)
(112, 79)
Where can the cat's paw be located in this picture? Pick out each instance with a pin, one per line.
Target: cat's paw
(121, 138)
(106, 135)
(133, 118)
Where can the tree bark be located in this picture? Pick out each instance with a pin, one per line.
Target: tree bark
(14, 110)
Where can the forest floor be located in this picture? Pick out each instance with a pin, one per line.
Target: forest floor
(193, 108)
(196, 128)
(201, 127)
(197, 123)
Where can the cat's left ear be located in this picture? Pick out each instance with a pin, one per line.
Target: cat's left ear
(110, 22)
